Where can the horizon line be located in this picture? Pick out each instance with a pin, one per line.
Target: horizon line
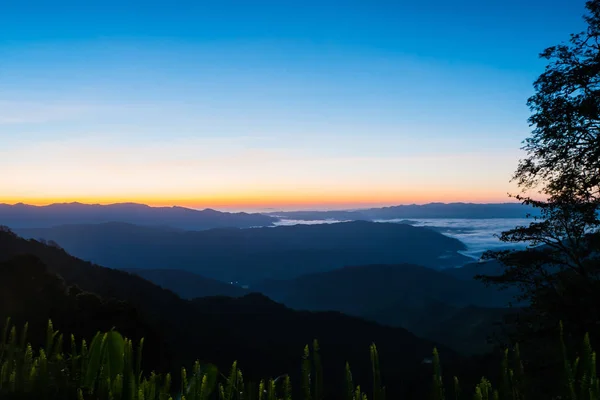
(241, 207)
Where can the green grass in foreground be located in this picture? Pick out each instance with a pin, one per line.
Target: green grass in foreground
(109, 368)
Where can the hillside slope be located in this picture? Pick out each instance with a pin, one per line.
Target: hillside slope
(188, 285)
(29, 293)
(417, 298)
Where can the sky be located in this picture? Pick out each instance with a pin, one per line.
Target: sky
(269, 104)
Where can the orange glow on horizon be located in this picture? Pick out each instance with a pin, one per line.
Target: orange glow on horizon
(274, 201)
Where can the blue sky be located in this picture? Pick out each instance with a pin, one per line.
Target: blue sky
(250, 104)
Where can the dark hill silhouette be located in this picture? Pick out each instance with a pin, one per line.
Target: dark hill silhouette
(414, 297)
(468, 330)
(431, 210)
(252, 255)
(265, 337)
(27, 216)
(187, 284)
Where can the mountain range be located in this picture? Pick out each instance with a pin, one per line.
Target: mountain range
(393, 274)
(248, 256)
(431, 210)
(266, 337)
(27, 216)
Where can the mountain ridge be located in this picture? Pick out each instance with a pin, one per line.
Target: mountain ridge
(251, 255)
(22, 215)
(429, 210)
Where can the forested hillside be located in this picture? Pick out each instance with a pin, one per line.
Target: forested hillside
(251, 255)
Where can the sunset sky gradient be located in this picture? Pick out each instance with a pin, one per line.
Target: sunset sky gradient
(269, 104)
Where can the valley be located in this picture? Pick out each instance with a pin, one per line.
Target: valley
(399, 273)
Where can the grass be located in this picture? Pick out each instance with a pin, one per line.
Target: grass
(109, 368)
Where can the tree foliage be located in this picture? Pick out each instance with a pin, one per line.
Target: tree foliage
(558, 272)
(563, 151)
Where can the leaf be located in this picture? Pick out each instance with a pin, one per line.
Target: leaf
(115, 351)
(96, 354)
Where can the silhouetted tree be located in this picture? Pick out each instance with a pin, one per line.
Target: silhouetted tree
(563, 152)
(558, 272)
